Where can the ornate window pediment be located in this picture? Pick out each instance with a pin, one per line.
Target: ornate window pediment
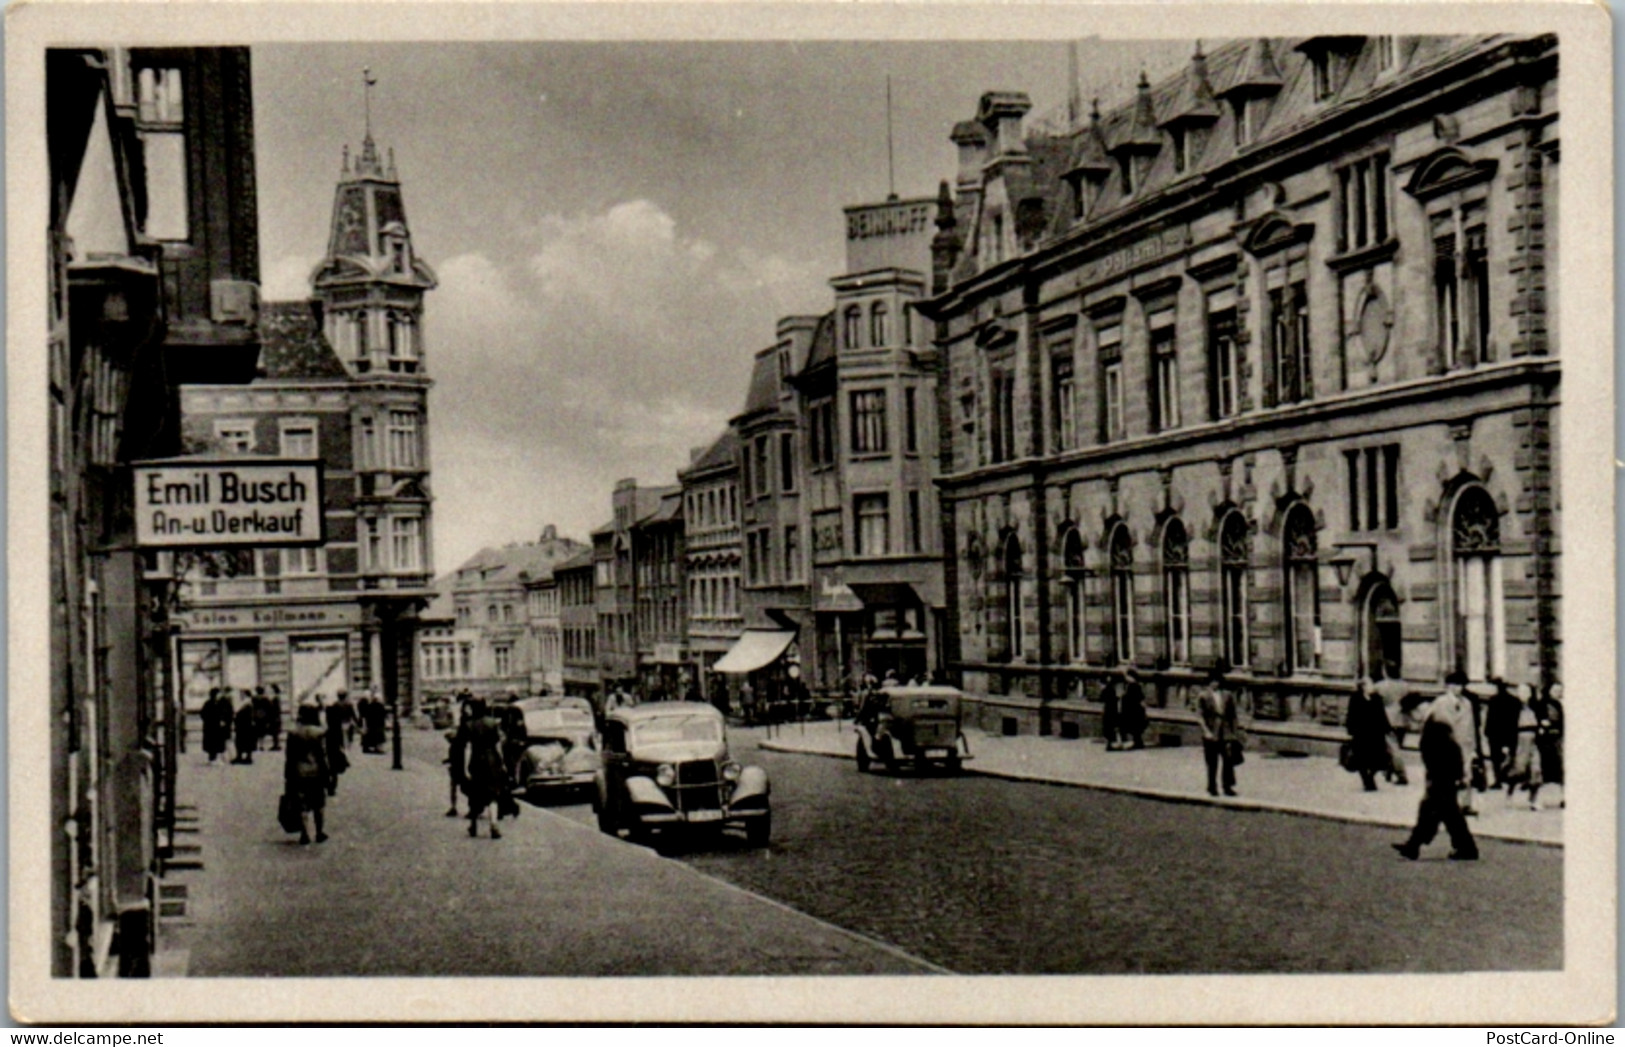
(994, 336)
(1273, 231)
(1447, 171)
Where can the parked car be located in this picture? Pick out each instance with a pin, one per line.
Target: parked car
(917, 725)
(666, 771)
(561, 750)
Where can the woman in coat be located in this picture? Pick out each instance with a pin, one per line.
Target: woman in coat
(247, 724)
(1110, 702)
(333, 741)
(1548, 742)
(1368, 727)
(305, 772)
(216, 716)
(484, 777)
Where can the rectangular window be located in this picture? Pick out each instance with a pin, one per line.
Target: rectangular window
(502, 658)
(298, 439)
(869, 422)
(792, 554)
(872, 515)
(1164, 370)
(1475, 295)
(911, 422)
(915, 527)
(1224, 377)
(367, 451)
(763, 477)
(302, 560)
(373, 542)
(1362, 199)
(1373, 487)
(161, 119)
(1063, 406)
(407, 543)
(1386, 54)
(1289, 342)
(1461, 288)
(403, 440)
(465, 659)
(787, 462)
(1111, 375)
(235, 437)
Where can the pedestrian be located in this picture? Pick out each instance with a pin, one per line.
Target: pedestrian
(1523, 768)
(262, 719)
(1221, 734)
(1131, 718)
(1367, 723)
(1444, 761)
(456, 743)
(483, 774)
(1455, 706)
(373, 717)
(1501, 730)
(273, 716)
(1110, 703)
(306, 774)
(216, 715)
(347, 715)
(333, 738)
(514, 736)
(747, 702)
(247, 738)
(1549, 742)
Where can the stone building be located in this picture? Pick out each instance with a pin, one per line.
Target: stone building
(1258, 369)
(713, 550)
(578, 624)
(344, 381)
(660, 615)
(616, 562)
(153, 270)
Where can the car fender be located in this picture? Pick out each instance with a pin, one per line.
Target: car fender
(752, 785)
(645, 792)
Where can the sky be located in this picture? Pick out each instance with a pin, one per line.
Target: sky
(616, 227)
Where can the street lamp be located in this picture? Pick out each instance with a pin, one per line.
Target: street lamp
(1345, 564)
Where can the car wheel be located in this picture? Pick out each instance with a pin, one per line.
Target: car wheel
(953, 765)
(759, 830)
(863, 758)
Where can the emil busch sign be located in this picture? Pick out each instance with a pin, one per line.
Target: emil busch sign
(183, 503)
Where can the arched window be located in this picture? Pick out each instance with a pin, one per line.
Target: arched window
(1302, 590)
(1476, 587)
(1122, 573)
(1072, 563)
(877, 324)
(1176, 592)
(1235, 552)
(1381, 648)
(1010, 561)
(852, 326)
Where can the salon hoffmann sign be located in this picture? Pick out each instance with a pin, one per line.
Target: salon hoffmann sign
(209, 503)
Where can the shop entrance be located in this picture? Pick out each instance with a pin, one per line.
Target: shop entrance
(201, 672)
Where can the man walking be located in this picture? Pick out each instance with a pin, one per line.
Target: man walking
(1221, 734)
(1446, 767)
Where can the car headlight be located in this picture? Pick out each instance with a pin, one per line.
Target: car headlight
(666, 775)
(731, 771)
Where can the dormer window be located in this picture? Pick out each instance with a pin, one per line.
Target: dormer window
(1385, 50)
(1321, 64)
(1127, 168)
(1330, 59)
(995, 250)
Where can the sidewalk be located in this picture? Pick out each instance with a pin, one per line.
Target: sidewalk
(401, 890)
(1307, 785)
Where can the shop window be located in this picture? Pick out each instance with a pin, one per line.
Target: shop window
(1121, 549)
(1176, 592)
(1477, 586)
(1302, 594)
(1235, 553)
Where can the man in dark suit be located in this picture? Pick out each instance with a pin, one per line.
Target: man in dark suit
(1442, 757)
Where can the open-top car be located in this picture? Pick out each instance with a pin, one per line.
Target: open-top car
(915, 725)
(561, 750)
(666, 771)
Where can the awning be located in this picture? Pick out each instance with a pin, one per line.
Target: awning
(754, 649)
(885, 594)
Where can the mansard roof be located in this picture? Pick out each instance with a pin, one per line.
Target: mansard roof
(292, 344)
(723, 452)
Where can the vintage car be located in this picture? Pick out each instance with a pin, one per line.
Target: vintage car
(561, 750)
(666, 771)
(919, 726)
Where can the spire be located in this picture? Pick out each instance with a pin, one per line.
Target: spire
(1193, 101)
(1074, 93)
(1089, 153)
(367, 163)
(1141, 133)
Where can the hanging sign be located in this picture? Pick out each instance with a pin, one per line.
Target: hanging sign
(183, 503)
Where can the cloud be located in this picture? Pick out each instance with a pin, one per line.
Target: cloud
(609, 346)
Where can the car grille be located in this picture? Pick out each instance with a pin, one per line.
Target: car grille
(698, 785)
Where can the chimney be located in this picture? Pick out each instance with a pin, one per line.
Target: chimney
(1001, 112)
(971, 139)
(550, 533)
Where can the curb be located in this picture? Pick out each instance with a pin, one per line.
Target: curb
(1172, 796)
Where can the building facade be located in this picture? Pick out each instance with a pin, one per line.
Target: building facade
(867, 404)
(713, 550)
(616, 563)
(578, 623)
(1258, 369)
(344, 382)
(153, 258)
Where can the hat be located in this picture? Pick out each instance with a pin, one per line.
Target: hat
(1456, 677)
